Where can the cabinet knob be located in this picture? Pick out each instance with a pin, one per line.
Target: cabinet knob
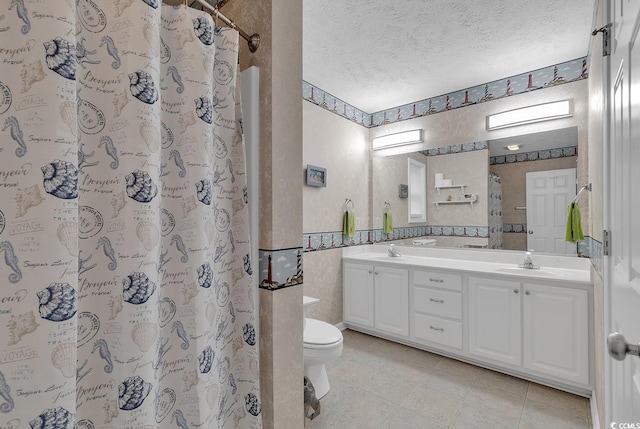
(436, 329)
(439, 301)
(516, 291)
(370, 271)
(436, 280)
(527, 293)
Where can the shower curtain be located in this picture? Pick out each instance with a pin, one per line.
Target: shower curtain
(495, 212)
(125, 293)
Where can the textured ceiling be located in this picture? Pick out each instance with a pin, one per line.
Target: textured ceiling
(379, 54)
(565, 137)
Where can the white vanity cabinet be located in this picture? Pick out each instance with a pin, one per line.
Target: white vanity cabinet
(376, 297)
(358, 294)
(528, 323)
(437, 308)
(391, 300)
(556, 331)
(495, 320)
(542, 328)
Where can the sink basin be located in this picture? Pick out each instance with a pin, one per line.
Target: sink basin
(542, 272)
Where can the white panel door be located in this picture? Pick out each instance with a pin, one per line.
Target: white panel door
(357, 288)
(391, 298)
(556, 332)
(495, 320)
(622, 188)
(548, 195)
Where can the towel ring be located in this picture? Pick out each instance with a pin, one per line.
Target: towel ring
(347, 203)
(387, 207)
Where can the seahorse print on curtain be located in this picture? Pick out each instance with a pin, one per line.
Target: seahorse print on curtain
(126, 281)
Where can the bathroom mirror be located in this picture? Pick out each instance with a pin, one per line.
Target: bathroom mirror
(542, 151)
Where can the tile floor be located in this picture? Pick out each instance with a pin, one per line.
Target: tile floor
(383, 385)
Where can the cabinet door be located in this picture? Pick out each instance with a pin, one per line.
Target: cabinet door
(556, 332)
(358, 294)
(392, 300)
(495, 320)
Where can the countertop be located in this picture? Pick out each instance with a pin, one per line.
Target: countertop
(501, 268)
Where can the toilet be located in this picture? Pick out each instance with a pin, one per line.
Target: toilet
(322, 344)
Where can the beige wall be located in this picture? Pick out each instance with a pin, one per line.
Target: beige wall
(323, 280)
(464, 168)
(279, 23)
(342, 147)
(279, 57)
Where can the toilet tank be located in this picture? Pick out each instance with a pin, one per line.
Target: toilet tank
(307, 302)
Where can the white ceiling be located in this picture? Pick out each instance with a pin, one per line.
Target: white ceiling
(379, 54)
(564, 137)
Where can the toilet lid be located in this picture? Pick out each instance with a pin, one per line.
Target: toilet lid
(319, 332)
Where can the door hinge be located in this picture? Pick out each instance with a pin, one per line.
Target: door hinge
(606, 39)
(607, 242)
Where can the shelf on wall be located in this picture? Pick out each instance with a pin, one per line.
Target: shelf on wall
(469, 201)
(451, 187)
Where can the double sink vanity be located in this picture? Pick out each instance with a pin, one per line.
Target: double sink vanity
(481, 307)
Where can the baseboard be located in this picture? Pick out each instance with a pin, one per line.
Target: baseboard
(342, 326)
(595, 419)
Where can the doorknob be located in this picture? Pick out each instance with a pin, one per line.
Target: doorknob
(619, 348)
(530, 232)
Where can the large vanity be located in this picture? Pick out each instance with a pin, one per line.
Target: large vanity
(479, 307)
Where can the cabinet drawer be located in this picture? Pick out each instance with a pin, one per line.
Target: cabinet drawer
(439, 280)
(441, 331)
(438, 302)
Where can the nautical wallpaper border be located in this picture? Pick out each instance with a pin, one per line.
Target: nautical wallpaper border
(538, 155)
(553, 75)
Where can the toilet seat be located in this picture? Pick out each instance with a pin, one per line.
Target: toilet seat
(318, 334)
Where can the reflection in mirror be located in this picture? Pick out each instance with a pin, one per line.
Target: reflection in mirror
(540, 152)
(417, 191)
(389, 172)
(456, 215)
(469, 166)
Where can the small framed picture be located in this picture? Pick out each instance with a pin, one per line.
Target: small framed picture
(316, 176)
(403, 191)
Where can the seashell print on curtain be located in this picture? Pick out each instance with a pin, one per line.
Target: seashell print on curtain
(125, 276)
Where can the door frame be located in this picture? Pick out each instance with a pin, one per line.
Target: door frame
(606, 224)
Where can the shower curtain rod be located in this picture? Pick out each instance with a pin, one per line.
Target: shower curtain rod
(253, 41)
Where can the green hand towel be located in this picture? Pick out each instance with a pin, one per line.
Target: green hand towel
(573, 230)
(387, 223)
(349, 224)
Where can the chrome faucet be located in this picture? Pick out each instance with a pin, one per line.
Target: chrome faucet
(528, 262)
(392, 251)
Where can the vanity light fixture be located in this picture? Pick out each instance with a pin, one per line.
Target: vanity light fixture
(397, 139)
(530, 114)
(513, 147)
